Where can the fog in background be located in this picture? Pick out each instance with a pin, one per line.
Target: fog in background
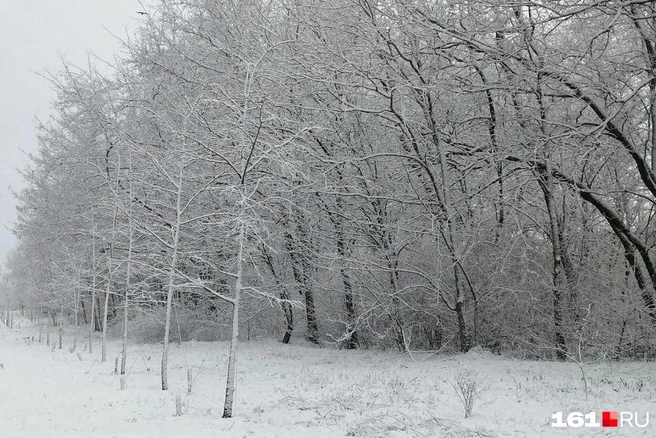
(34, 38)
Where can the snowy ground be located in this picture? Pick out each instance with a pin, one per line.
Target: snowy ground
(303, 391)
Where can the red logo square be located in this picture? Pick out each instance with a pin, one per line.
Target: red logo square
(609, 419)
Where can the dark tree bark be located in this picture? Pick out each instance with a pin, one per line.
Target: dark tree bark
(286, 306)
(546, 184)
(300, 268)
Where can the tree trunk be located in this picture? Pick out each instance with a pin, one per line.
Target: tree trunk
(167, 330)
(286, 306)
(108, 287)
(288, 311)
(312, 325)
(98, 314)
(351, 340)
(103, 347)
(40, 325)
(463, 331)
(171, 285)
(92, 321)
(299, 270)
(124, 352)
(61, 327)
(75, 317)
(231, 383)
(128, 273)
(85, 319)
(110, 254)
(546, 183)
(463, 334)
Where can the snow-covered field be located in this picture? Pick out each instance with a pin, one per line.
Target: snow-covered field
(303, 391)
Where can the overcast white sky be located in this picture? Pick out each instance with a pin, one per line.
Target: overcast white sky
(32, 34)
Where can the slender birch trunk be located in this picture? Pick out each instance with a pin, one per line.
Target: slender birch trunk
(171, 285)
(93, 292)
(40, 324)
(124, 352)
(106, 310)
(75, 316)
(61, 326)
(231, 383)
(108, 290)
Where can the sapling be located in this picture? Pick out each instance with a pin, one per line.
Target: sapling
(467, 390)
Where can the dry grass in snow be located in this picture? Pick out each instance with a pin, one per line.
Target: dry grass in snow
(304, 391)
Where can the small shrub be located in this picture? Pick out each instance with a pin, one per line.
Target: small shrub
(467, 389)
